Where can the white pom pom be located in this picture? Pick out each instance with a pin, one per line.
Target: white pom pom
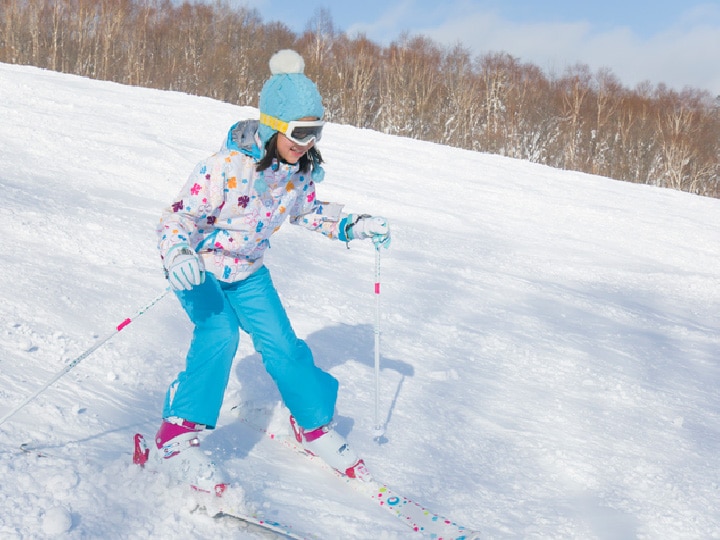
(286, 61)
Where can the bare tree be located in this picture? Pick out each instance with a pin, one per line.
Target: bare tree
(461, 87)
(410, 88)
(317, 47)
(354, 91)
(608, 98)
(573, 89)
(679, 122)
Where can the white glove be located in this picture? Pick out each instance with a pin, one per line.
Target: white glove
(365, 226)
(184, 270)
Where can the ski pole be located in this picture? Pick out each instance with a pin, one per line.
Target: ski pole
(379, 430)
(119, 328)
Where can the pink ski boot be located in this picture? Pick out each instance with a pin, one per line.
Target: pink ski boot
(327, 444)
(177, 451)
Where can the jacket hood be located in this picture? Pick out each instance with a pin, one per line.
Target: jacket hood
(243, 137)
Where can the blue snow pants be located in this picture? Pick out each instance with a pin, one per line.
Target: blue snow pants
(219, 311)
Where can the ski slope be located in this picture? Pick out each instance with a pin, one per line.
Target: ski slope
(549, 343)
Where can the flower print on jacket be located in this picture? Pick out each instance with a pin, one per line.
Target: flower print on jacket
(251, 219)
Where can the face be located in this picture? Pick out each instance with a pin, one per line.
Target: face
(290, 151)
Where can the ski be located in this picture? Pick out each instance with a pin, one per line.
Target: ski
(411, 513)
(279, 530)
(215, 506)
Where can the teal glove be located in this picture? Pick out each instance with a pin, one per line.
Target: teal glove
(362, 226)
(183, 269)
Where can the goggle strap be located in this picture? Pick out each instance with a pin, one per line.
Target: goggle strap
(274, 123)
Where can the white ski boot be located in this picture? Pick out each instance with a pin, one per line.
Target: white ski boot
(177, 451)
(327, 444)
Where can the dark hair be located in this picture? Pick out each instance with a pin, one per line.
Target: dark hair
(307, 161)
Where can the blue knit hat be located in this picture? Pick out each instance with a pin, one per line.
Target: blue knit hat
(288, 95)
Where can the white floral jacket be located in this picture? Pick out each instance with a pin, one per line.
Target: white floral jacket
(227, 211)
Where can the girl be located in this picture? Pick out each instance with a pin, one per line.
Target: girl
(212, 240)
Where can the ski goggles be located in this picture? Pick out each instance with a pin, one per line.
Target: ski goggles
(298, 131)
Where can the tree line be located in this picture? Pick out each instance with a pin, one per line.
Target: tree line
(578, 120)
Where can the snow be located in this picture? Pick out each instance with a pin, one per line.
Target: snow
(549, 343)
(57, 521)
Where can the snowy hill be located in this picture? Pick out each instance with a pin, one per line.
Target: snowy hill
(549, 339)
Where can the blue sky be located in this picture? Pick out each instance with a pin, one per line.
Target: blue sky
(676, 42)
